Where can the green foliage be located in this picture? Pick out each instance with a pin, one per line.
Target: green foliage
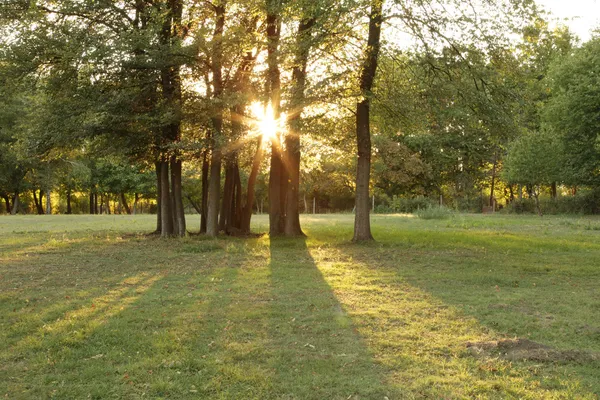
(573, 112)
(404, 205)
(584, 203)
(435, 212)
(535, 159)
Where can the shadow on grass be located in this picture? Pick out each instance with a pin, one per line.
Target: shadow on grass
(319, 352)
(138, 327)
(414, 312)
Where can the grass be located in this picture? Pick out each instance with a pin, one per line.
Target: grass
(92, 308)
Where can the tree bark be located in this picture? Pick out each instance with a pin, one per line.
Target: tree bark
(179, 225)
(91, 201)
(48, 203)
(214, 185)
(493, 184)
(7, 203)
(362, 222)
(292, 141)
(274, 93)
(214, 191)
(69, 211)
(227, 201)
(124, 203)
(166, 212)
(171, 35)
(38, 202)
(247, 210)
(205, 170)
(553, 190)
(15, 204)
(158, 167)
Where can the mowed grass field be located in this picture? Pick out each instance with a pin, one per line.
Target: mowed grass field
(91, 307)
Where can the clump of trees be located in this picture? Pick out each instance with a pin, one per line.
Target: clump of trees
(142, 99)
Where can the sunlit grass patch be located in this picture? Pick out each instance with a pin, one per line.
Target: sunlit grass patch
(113, 313)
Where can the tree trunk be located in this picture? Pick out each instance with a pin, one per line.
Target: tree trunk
(205, 169)
(166, 208)
(48, 203)
(177, 190)
(193, 203)
(38, 202)
(536, 195)
(7, 203)
(214, 184)
(69, 211)
(247, 210)
(362, 222)
(236, 217)
(136, 199)
(274, 93)
(292, 141)
(214, 191)
(15, 204)
(158, 167)
(124, 203)
(227, 201)
(91, 201)
(305, 205)
(553, 190)
(493, 184)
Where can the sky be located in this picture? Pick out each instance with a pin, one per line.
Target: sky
(583, 15)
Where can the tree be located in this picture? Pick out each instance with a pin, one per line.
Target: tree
(362, 222)
(573, 112)
(533, 160)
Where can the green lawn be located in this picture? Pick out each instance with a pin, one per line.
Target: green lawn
(90, 307)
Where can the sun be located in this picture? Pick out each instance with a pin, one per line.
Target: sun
(264, 119)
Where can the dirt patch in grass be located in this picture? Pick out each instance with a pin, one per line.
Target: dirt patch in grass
(528, 350)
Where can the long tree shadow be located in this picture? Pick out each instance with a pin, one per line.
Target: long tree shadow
(124, 332)
(419, 330)
(319, 352)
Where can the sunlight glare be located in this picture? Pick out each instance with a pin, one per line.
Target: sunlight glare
(266, 123)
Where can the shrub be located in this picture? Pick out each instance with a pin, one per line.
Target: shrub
(434, 212)
(586, 202)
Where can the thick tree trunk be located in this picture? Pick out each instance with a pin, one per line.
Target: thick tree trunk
(177, 190)
(292, 142)
(124, 203)
(274, 92)
(172, 212)
(362, 221)
(15, 204)
(214, 184)
(247, 210)
(166, 208)
(69, 211)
